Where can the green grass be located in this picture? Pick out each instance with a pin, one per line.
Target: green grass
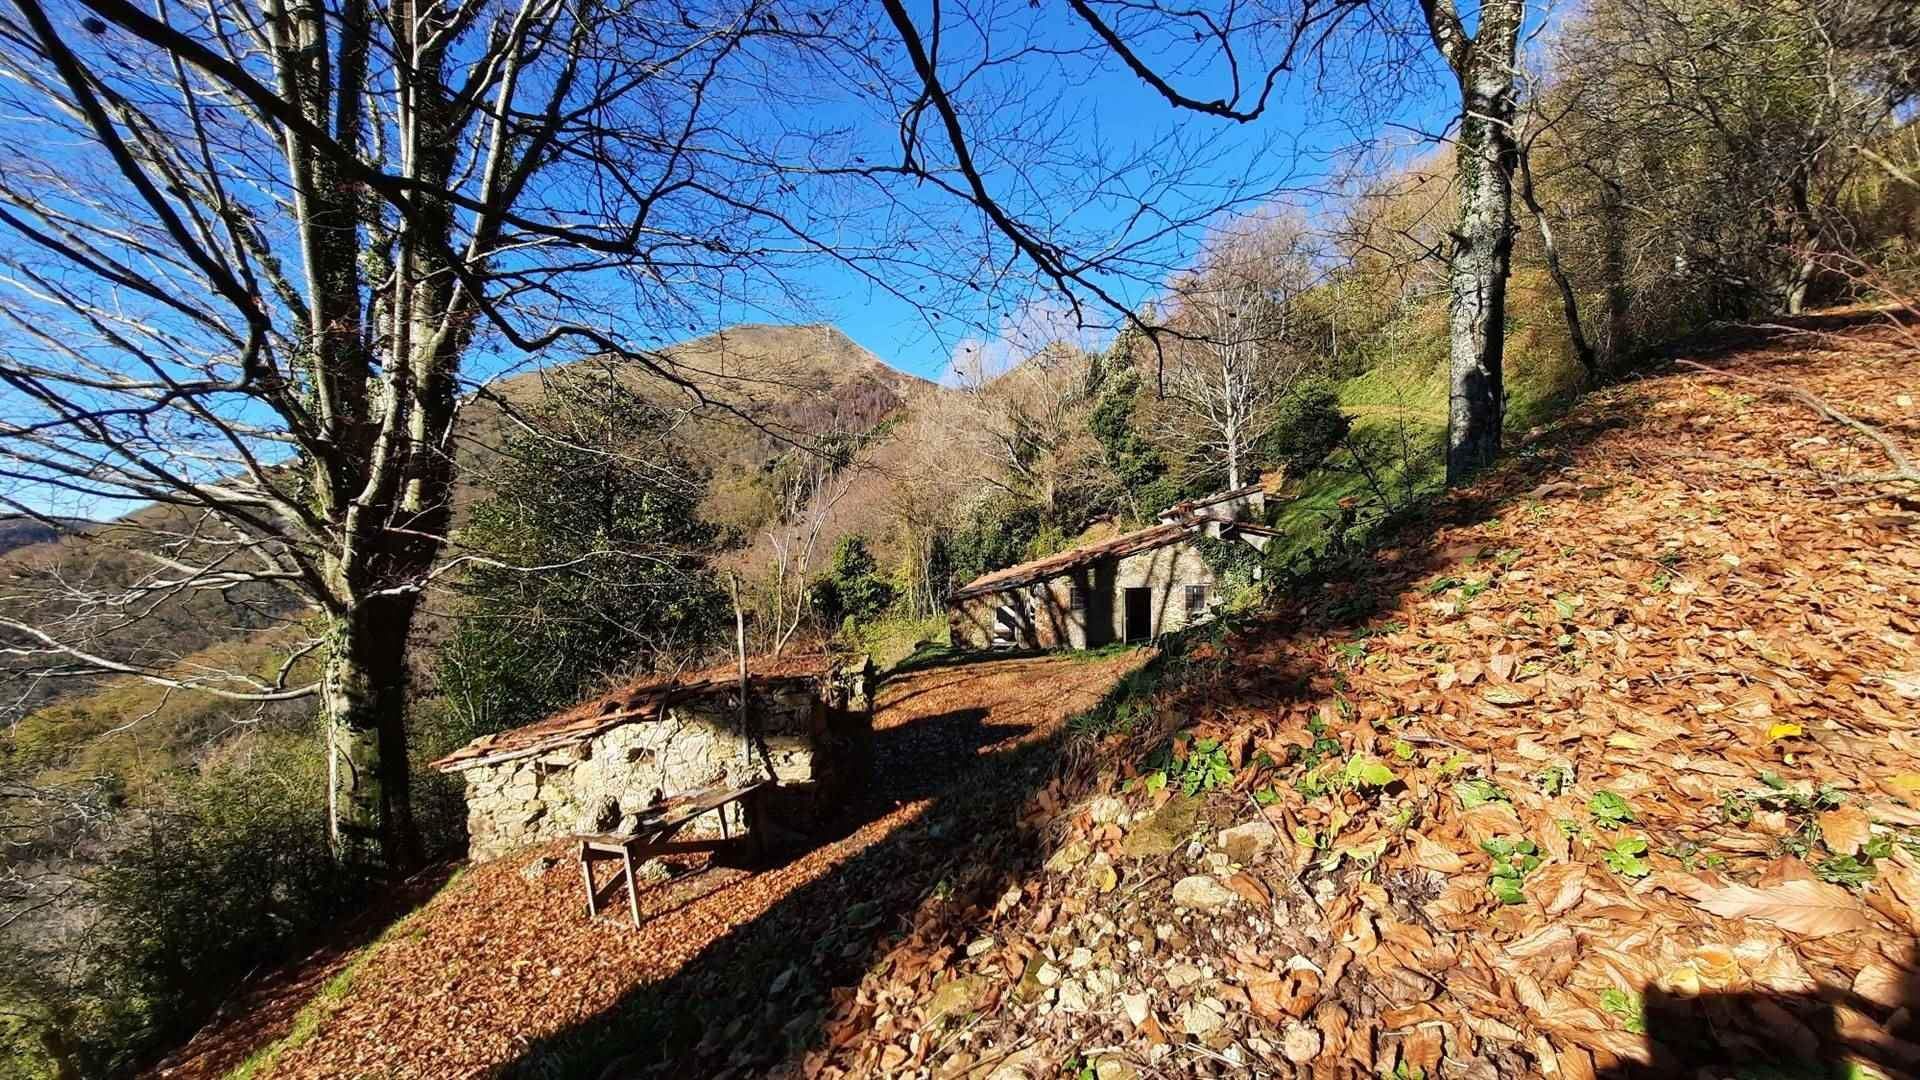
(332, 996)
(894, 641)
(1399, 415)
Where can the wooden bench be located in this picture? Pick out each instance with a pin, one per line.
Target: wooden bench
(653, 836)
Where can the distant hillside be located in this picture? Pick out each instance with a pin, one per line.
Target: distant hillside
(770, 386)
(18, 531)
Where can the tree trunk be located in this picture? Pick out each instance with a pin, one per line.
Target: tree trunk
(1482, 257)
(1613, 223)
(1482, 247)
(364, 705)
(1569, 301)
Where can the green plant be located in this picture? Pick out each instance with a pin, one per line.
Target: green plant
(1513, 860)
(1365, 772)
(628, 550)
(1309, 426)
(853, 587)
(1478, 792)
(1627, 857)
(1204, 768)
(1609, 810)
(1846, 870)
(1555, 779)
(1627, 1007)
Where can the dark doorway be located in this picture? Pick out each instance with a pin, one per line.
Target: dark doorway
(1139, 614)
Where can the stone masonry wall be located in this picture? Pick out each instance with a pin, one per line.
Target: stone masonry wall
(813, 736)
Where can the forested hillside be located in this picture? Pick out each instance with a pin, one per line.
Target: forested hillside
(414, 340)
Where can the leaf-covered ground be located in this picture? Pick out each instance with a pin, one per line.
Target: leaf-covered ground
(503, 971)
(1607, 766)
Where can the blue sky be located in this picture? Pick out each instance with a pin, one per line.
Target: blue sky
(1290, 148)
(1072, 109)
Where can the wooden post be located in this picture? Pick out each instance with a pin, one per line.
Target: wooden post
(586, 875)
(633, 892)
(740, 651)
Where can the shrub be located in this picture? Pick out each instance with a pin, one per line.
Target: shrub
(854, 587)
(235, 877)
(1308, 427)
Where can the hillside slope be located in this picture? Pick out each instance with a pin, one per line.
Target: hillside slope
(1611, 766)
(1606, 766)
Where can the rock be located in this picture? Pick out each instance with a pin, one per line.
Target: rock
(1070, 855)
(1106, 810)
(1102, 983)
(1079, 958)
(1299, 1043)
(1074, 998)
(955, 997)
(1137, 1007)
(533, 870)
(1248, 841)
(1163, 831)
(1202, 893)
(1048, 975)
(1202, 1017)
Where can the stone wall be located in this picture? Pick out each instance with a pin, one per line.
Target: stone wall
(812, 734)
(1046, 618)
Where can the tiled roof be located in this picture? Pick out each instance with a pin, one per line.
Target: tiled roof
(642, 699)
(1154, 536)
(1188, 506)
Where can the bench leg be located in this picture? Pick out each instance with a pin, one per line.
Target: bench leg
(633, 893)
(586, 876)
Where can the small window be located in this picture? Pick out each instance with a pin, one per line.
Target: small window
(1076, 598)
(1196, 599)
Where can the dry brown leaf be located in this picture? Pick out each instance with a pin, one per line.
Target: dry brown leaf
(1430, 854)
(1558, 888)
(1252, 890)
(1552, 938)
(1807, 908)
(1845, 830)
(1887, 985)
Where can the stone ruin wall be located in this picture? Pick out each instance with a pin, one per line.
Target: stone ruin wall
(813, 735)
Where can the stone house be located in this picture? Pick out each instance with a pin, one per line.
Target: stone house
(1131, 587)
(593, 768)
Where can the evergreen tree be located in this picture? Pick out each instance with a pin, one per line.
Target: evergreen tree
(591, 559)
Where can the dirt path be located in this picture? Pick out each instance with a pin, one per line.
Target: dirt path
(503, 968)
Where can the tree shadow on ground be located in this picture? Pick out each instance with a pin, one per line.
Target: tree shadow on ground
(265, 1007)
(1828, 1032)
(758, 997)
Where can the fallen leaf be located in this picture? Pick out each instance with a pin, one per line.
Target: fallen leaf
(1807, 908)
(1886, 985)
(1430, 854)
(1845, 830)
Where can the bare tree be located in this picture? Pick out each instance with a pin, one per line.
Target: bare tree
(1240, 354)
(1481, 254)
(811, 486)
(251, 252)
